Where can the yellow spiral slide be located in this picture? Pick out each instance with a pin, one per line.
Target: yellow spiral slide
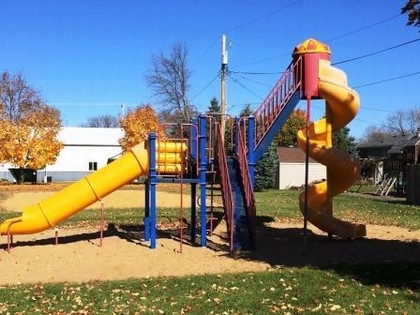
(342, 104)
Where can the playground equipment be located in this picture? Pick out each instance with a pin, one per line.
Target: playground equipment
(202, 159)
(321, 80)
(55, 209)
(310, 76)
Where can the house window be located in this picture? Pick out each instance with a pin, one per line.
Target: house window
(93, 166)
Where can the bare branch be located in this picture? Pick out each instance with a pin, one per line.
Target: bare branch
(169, 79)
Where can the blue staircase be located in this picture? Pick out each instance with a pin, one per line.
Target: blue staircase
(236, 183)
(269, 118)
(277, 107)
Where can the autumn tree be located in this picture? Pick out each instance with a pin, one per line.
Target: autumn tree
(137, 124)
(102, 121)
(169, 78)
(412, 9)
(28, 126)
(288, 132)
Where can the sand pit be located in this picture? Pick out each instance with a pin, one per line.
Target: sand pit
(124, 254)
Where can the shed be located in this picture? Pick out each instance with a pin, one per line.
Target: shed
(291, 171)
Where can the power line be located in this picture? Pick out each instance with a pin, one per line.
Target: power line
(245, 88)
(362, 28)
(379, 110)
(258, 19)
(386, 80)
(205, 87)
(353, 59)
(253, 81)
(259, 73)
(376, 52)
(328, 41)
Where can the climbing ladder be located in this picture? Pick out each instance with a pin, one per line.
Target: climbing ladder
(385, 187)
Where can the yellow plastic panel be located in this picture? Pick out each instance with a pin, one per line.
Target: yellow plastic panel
(342, 170)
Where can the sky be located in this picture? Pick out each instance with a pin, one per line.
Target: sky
(87, 58)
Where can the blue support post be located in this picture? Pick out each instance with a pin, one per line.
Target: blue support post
(251, 147)
(193, 174)
(152, 183)
(238, 203)
(202, 170)
(147, 210)
(193, 141)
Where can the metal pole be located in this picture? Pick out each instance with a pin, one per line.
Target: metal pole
(223, 75)
(305, 209)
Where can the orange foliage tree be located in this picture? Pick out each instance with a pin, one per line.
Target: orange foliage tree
(28, 126)
(137, 124)
(288, 132)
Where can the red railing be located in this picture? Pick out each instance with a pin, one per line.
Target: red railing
(225, 184)
(277, 99)
(247, 189)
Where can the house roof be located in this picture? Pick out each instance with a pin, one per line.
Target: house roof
(399, 146)
(81, 136)
(292, 155)
(383, 143)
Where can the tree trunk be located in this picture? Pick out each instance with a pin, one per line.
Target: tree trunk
(20, 178)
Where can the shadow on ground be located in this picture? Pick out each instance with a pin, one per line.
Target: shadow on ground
(371, 261)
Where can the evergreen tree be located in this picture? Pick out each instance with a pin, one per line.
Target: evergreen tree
(266, 167)
(214, 106)
(342, 140)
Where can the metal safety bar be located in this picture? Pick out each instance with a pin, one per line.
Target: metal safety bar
(277, 99)
(246, 184)
(225, 183)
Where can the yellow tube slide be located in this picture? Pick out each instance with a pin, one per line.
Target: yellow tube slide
(342, 104)
(93, 187)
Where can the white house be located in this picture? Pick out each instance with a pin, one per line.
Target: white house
(88, 149)
(85, 150)
(292, 168)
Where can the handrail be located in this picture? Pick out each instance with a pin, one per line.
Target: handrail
(225, 184)
(248, 190)
(277, 99)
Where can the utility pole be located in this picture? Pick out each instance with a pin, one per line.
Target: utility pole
(223, 75)
(122, 111)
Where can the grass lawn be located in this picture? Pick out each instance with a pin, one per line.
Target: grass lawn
(382, 288)
(345, 289)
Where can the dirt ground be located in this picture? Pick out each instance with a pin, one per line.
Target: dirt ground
(124, 254)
